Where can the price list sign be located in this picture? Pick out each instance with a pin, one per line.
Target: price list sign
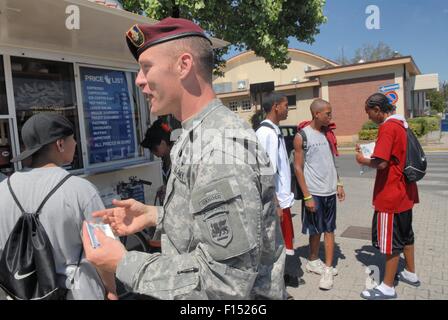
(108, 113)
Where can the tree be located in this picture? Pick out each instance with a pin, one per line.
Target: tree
(263, 26)
(437, 100)
(444, 91)
(369, 52)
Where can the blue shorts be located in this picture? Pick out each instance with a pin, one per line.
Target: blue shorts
(323, 220)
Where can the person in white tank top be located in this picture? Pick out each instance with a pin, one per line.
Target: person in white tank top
(316, 174)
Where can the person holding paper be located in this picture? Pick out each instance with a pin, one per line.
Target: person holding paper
(393, 197)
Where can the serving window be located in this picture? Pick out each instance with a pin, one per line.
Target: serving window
(45, 86)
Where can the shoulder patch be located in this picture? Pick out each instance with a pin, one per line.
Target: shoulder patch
(219, 229)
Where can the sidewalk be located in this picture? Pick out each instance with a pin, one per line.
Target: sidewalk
(352, 255)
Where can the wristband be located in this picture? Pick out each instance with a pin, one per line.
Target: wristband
(308, 198)
(340, 184)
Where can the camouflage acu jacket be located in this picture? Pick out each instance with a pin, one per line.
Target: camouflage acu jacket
(221, 237)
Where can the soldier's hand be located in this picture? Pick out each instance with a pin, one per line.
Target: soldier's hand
(129, 216)
(105, 257)
(310, 205)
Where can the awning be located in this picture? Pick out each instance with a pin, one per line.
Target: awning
(42, 25)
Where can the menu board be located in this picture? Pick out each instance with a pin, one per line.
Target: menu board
(109, 115)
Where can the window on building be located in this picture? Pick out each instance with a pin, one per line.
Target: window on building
(222, 87)
(316, 92)
(45, 86)
(233, 105)
(291, 101)
(245, 105)
(110, 114)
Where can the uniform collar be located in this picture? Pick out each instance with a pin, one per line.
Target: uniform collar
(197, 118)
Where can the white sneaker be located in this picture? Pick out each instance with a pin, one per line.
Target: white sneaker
(326, 280)
(317, 266)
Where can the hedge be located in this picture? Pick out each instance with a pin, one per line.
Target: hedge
(420, 126)
(368, 134)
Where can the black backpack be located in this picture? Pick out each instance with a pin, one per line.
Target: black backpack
(295, 188)
(415, 168)
(27, 267)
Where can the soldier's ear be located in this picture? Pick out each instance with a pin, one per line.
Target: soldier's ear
(185, 65)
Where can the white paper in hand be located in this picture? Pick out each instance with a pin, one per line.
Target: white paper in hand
(104, 227)
(367, 149)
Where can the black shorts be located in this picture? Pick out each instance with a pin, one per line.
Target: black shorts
(392, 232)
(323, 220)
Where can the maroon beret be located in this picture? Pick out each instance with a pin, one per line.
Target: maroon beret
(142, 36)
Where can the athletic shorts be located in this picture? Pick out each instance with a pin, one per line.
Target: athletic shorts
(323, 220)
(392, 232)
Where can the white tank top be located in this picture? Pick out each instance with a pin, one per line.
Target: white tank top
(320, 171)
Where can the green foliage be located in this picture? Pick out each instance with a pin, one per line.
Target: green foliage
(263, 26)
(437, 100)
(423, 125)
(368, 134)
(420, 126)
(369, 125)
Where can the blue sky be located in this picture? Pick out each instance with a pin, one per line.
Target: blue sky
(412, 27)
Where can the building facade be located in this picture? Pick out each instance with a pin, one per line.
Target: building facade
(310, 76)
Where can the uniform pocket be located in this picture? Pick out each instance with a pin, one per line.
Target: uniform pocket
(217, 213)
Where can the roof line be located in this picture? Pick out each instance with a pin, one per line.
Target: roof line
(247, 52)
(365, 63)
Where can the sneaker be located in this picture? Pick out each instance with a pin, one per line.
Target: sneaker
(317, 266)
(326, 280)
(402, 277)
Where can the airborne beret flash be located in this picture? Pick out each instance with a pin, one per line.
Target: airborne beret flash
(142, 36)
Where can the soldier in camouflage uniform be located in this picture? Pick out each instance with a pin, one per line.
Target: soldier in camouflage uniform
(220, 233)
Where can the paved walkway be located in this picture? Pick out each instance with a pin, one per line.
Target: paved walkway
(353, 255)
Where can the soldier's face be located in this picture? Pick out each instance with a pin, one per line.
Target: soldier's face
(158, 81)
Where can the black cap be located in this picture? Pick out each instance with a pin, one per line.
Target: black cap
(42, 129)
(146, 143)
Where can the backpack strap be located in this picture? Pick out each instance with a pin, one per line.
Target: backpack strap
(268, 125)
(14, 196)
(52, 192)
(46, 198)
(304, 139)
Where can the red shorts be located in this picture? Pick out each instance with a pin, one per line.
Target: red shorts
(391, 232)
(288, 231)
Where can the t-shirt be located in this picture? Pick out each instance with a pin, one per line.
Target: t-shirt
(392, 193)
(280, 163)
(61, 217)
(319, 169)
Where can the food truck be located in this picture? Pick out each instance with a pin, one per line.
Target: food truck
(71, 57)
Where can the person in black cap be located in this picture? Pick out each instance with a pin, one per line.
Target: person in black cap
(221, 237)
(158, 141)
(49, 145)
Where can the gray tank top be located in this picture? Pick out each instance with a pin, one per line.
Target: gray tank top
(320, 171)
